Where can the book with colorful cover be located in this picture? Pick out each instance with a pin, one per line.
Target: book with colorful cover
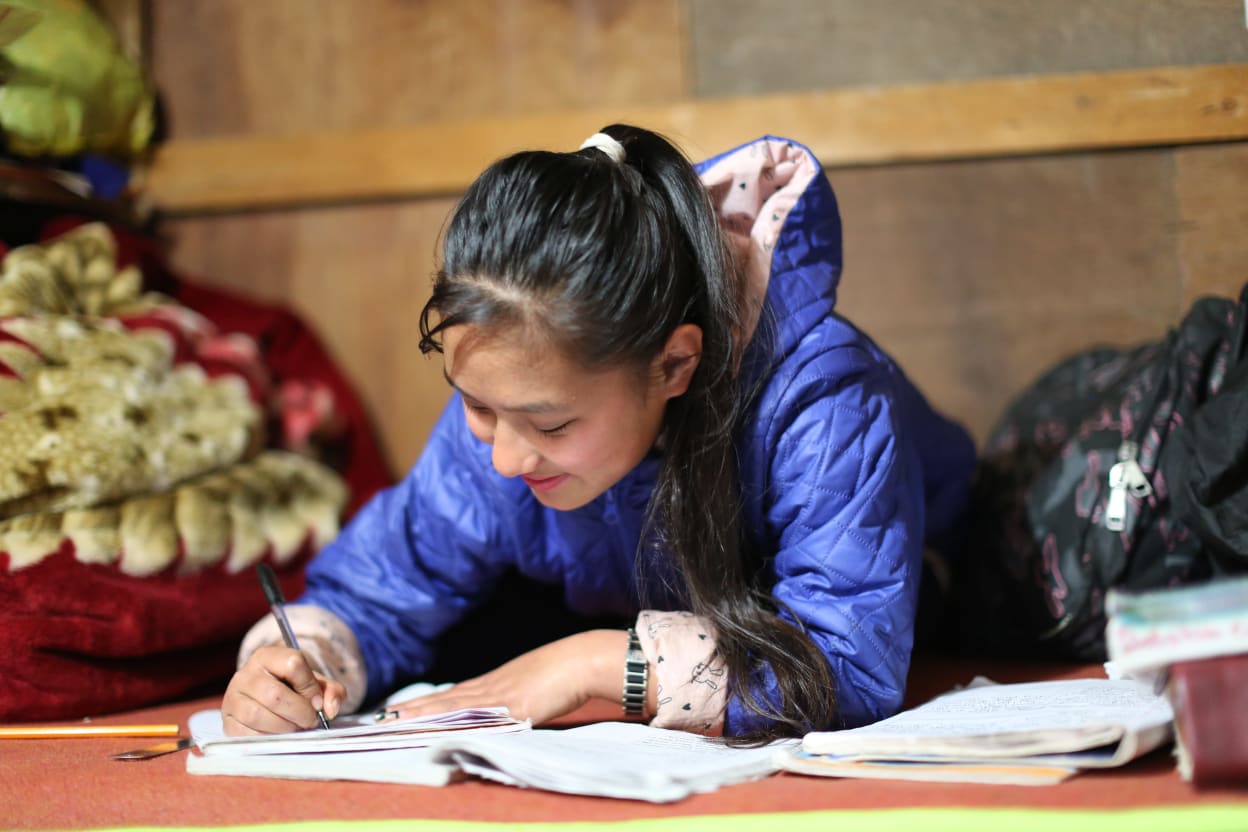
(1150, 630)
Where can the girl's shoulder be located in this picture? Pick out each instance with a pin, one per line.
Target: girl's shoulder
(831, 355)
(835, 375)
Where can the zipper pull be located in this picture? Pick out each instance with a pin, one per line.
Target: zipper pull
(1125, 477)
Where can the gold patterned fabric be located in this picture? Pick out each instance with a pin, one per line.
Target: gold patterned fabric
(113, 434)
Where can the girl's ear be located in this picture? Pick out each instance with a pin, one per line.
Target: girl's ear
(680, 358)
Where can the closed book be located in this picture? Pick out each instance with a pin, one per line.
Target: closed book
(1210, 702)
(1153, 629)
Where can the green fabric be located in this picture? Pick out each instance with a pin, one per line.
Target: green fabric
(68, 87)
(1204, 818)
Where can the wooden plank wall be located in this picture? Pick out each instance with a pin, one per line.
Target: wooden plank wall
(1019, 115)
(975, 274)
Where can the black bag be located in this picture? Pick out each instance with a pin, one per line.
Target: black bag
(1117, 468)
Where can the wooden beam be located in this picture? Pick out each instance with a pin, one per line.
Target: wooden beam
(845, 127)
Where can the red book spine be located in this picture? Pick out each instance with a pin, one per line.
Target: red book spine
(1210, 702)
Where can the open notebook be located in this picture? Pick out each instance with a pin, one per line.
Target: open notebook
(356, 747)
(353, 733)
(610, 759)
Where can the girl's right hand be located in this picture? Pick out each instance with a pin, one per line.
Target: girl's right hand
(277, 692)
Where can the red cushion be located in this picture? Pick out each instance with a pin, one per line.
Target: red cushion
(83, 640)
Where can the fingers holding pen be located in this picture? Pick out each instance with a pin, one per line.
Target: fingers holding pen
(299, 677)
(276, 691)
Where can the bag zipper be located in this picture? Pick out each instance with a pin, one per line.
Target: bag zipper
(1126, 477)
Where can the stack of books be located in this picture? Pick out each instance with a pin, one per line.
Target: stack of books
(1194, 640)
(1027, 734)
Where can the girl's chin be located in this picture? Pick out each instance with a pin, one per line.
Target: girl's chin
(563, 499)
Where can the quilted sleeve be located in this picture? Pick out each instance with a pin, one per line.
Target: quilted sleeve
(843, 517)
(421, 554)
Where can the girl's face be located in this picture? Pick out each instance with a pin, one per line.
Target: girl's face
(569, 433)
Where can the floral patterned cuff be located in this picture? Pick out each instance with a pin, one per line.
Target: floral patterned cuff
(690, 679)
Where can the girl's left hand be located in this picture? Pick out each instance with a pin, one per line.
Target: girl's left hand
(545, 683)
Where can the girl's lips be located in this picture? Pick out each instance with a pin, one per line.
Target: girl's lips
(544, 483)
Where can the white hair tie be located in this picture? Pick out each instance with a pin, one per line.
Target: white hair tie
(607, 145)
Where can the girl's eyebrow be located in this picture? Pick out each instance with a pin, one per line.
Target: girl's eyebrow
(531, 407)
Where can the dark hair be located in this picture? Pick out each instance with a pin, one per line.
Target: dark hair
(606, 259)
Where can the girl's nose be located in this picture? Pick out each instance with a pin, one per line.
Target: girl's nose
(512, 456)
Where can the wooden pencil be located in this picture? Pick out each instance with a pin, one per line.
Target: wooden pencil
(31, 732)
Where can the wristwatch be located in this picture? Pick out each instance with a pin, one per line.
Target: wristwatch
(636, 675)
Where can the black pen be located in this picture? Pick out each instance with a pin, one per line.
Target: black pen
(268, 582)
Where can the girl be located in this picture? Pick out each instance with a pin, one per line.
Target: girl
(655, 407)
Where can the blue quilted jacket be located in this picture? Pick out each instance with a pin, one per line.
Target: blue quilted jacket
(845, 470)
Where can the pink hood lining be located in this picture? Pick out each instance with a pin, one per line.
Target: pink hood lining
(753, 191)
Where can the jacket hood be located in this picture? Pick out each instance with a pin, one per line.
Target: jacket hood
(781, 220)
